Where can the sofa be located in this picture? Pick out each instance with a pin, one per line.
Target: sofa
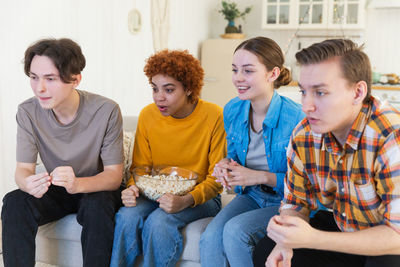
(58, 243)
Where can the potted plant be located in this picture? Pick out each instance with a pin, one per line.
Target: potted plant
(231, 12)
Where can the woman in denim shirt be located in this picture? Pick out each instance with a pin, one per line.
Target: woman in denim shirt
(258, 124)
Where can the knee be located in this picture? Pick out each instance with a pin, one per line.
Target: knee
(212, 234)
(98, 206)
(14, 202)
(159, 223)
(126, 217)
(234, 232)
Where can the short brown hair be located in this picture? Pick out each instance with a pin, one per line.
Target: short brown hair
(270, 55)
(66, 55)
(179, 65)
(354, 63)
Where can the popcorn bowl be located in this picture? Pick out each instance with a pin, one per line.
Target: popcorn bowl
(153, 182)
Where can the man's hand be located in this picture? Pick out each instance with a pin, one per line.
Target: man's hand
(64, 176)
(291, 232)
(129, 196)
(279, 257)
(37, 184)
(172, 204)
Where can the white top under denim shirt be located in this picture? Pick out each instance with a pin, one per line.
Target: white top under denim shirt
(282, 116)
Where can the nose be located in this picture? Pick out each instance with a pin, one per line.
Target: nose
(237, 76)
(40, 86)
(307, 101)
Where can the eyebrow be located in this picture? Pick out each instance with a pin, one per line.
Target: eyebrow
(316, 86)
(46, 75)
(245, 65)
(164, 85)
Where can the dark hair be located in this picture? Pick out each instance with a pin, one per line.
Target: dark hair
(270, 54)
(354, 63)
(66, 55)
(179, 65)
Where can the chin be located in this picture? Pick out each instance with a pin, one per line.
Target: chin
(44, 106)
(243, 96)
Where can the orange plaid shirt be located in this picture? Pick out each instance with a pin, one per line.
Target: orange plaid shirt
(359, 182)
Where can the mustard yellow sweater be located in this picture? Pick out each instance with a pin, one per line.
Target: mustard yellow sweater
(196, 142)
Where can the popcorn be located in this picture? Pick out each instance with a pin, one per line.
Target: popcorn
(153, 187)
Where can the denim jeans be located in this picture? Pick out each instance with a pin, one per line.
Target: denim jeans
(22, 214)
(148, 229)
(233, 234)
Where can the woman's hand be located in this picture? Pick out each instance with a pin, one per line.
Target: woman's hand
(239, 175)
(221, 172)
(129, 196)
(172, 204)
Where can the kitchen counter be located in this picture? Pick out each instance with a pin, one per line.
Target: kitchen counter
(378, 86)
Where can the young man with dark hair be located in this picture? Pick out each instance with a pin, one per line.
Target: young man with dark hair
(78, 136)
(345, 156)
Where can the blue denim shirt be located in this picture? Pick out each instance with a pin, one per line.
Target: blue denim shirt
(282, 116)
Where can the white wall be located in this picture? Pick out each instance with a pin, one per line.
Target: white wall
(115, 58)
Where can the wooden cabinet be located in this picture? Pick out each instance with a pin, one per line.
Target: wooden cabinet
(313, 14)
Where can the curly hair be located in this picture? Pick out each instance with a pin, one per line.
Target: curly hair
(179, 65)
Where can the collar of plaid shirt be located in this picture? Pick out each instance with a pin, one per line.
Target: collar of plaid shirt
(359, 182)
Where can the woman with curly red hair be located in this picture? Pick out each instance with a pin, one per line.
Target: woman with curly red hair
(178, 129)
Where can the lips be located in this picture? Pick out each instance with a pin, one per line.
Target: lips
(242, 89)
(312, 120)
(41, 98)
(162, 108)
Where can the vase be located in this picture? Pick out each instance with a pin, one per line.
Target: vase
(231, 28)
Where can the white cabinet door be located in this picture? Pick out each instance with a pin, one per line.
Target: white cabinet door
(346, 14)
(313, 14)
(278, 14)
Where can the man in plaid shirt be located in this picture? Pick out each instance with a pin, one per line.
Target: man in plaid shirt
(343, 159)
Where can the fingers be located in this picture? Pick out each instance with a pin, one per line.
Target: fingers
(63, 173)
(131, 202)
(128, 201)
(37, 185)
(224, 183)
(40, 190)
(135, 190)
(287, 257)
(273, 259)
(233, 163)
(38, 176)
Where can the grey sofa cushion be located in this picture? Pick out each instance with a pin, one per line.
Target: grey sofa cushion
(59, 242)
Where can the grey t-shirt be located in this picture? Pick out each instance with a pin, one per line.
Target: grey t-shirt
(256, 158)
(92, 140)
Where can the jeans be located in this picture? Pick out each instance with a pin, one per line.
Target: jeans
(323, 220)
(148, 229)
(233, 234)
(22, 214)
